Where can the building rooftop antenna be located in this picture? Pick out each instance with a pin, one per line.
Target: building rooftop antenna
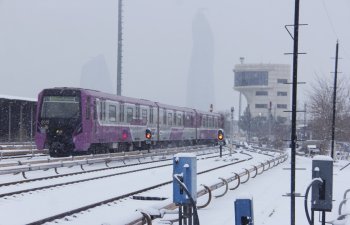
(241, 59)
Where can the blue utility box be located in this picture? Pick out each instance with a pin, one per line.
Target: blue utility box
(322, 194)
(185, 167)
(244, 211)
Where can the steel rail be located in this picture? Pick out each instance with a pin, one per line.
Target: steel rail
(84, 208)
(52, 164)
(71, 158)
(202, 192)
(98, 170)
(88, 179)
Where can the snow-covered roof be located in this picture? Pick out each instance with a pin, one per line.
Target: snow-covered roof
(17, 98)
(244, 195)
(323, 158)
(179, 155)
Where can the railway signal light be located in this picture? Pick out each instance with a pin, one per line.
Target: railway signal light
(221, 137)
(148, 135)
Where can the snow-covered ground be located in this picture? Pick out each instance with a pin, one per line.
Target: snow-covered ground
(270, 206)
(267, 190)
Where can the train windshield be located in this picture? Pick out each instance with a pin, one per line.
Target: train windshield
(60, 107)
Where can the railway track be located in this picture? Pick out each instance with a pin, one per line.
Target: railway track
(124, 196)
(16, 183)
(49, 192)
(24, 167)
(153, 152)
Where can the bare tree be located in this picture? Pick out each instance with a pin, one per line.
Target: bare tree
(321, 111)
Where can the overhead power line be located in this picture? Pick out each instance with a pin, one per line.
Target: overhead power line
(330, 20)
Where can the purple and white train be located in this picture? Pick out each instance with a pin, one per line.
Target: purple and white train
(78, 121)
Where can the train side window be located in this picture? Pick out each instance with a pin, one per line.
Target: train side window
(88, 107)
(160, 118)
(179, 119)
(101, 109)
(170, 119)
(137, 111)
(95, 110)
(164, 117)
(150, 114)
(144, 115)
(112, 113)
(129, 114)
(121, 113)
(104, 110)
(204, 124)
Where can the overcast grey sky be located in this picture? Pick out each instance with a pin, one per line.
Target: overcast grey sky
(45, 43)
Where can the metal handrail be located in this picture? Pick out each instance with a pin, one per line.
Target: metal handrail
(213, 187)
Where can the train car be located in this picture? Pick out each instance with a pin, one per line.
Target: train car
(80, 121)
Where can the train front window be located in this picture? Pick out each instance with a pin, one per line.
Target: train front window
(60, 107)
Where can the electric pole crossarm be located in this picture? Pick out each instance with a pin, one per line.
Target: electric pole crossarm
(292, 25)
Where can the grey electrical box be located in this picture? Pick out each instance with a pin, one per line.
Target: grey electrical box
(322, 193)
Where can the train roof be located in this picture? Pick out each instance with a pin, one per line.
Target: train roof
(125, 99)
(120, 98)
(207, 113)
(104, 95)
(178, 108)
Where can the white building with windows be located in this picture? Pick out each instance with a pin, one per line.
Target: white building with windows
(266, 88)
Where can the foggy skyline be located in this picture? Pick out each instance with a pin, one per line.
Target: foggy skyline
(95, 75)
(200, 85)
(45, 43)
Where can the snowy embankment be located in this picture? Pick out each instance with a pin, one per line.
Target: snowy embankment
(267, 190)
(271, 207)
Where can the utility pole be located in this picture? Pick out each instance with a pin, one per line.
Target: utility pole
(232, 130)
(334, 97)
(269, 124)
(120, 46)
(304, 130)
(294, 109)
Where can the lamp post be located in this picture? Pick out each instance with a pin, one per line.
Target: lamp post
(232, 116)
(232, 123)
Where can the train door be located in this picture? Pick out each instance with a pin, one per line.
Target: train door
(94, 130)
(158, 121)
(88, 119)
(100, 120)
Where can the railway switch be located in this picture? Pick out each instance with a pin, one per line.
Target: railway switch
(322, 193)
(244, 211)
(185, 170)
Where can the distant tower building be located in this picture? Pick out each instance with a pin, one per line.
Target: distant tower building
(95, 75)
(265, 89)
(200, 85)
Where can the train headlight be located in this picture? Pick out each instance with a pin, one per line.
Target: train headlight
(59, 132)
